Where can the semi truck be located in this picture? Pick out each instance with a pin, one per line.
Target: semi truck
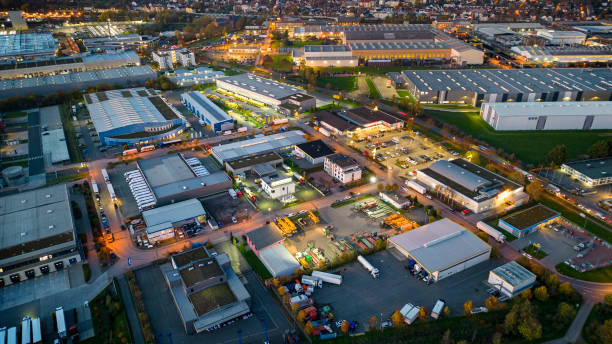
(11, 335)
(26, 331)
(105, 175)
(406, 309)
(416, 187)
(497, 235)
(111, 191)
(94, 187)
(371, 269)
(437, 309)
(232, 193)
(327, 277)
(312, 281)
(61, 322)
(36, 331)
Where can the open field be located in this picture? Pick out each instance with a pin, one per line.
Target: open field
(374, 93)
(530, 147)
(601, 275)
(344, 83)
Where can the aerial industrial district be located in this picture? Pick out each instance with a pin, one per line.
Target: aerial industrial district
(306, 172)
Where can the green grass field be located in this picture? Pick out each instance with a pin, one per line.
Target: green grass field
(344, 83)
(601, 275)
(374, 93)
(529, 146)
(535, 252)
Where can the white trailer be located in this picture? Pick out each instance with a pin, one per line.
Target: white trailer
(242, 130)
(232, 193)
(94, 187)
(111, 191)
(61, 322)
(36, 331)
(371, 269)
(406, 309)
(2, 335)
(437, 309)
(324, 131)
(327, 277)
(26, 331)
(105, 175)
(416, 187)
(497, 235)
(412, 315)
(11, 335)
(312, 281)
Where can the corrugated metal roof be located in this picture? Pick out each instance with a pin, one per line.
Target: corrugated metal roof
(174, 212)
(279, 261)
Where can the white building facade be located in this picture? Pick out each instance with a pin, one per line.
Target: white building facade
(278, 186)
(342, 168)
(170, 58)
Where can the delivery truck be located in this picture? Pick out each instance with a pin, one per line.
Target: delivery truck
(327, 277)
(497, 235)
(371, 269)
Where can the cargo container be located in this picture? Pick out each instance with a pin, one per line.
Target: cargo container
(94, 187)
(411, 316)
(11, 335)
(36, 331)
(437, 309)
(26, 330)
(61, 322)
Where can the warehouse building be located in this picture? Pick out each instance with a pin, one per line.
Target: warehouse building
(269, 92)
(527, 221)
(252, 163)
(207, 111)
(257, 145)
(170, 58)
(26, 45)
(441, 248)
(133, 115)
(42, 66)
(267, 243)
(593, 172)
(328, 56)
(205, 289)
(370, 121)
(565, 55)
(393, 50)
(511, 279)
(120, 42)
(557, 37)
(470, 185)
(548, 115)
(126, 76)
(162, 221)
(37, 234)
(172, 179)
(313, 151)
(475, 86)
(334, 123)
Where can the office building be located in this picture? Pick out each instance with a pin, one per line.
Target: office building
(205, 289)
(126, 76)
(470, 186)
(172, 179)
(175, 57)
(342, 168)
(269, 92)
(207, 111)
(37, 234)
(26, 45)
(548, 115)
(441, 248)
(133, 115)
(196, 76)
(278, 186)
(257, 145)
(593, 172)
(475, 86)
(511, 279)
(313, 151)
(527, 221)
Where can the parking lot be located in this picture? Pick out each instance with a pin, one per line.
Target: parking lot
(165, 318)
(360, 296)
(402, 151)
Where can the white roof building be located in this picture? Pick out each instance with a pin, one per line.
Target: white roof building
(442, 248)
(259, 144)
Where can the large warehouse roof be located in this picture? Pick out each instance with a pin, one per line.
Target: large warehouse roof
(175, 212)
(207, 106)
(388, 35)
(265, 87)
(259, 144)
(593, 168)
(34, 220)
(325, 48)
(440, 244)
(531, 80)
(591, 108)
(26, 44)
(120, 108)
(384, 45)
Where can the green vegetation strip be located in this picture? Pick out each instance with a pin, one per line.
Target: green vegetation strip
(597, 328)
(600, 275)
(259, 268)
(71, 141)
(109, 320)
(535, 252)
(529, 146)
(509, 236)
(15, 114)
(374, 93)
(349, 201)
(341, 83)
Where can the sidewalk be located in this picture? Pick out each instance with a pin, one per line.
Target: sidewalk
(573, 332)
(130, 310)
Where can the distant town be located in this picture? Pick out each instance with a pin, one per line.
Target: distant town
(369, 171)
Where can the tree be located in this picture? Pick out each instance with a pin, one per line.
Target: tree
(394, 187)
(517, 176)
(446, 339)
(372, 322)
(535, 189)
(566, 289)
(496, 339)
(446, 311)
(423, 313)
(541, 293)
(600, 149)
(521, 320)
(483, 236)
(565, 313)
(491, 302)
(344, 327)
(607, 298)
(301, 316)
(468, 307)
(495, 252)
(603, 333)
(552, 282)
(397, 319)
(491, 167)
(557, 156)
(473, 156)
(308, 328)
(388, 187)
(526, 295)
(380, 187)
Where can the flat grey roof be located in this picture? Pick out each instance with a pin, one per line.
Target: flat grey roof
(325, 48)
(173, 212)
(190, 184)
(263, 86)
(26, 44)
(207, 107)
(259, 144)
(440, 244)
(589, 108)
(34, 220)
(265, 236)
(253, 160)
(512, 81)
(279, 261)
(593, 168)
(388, 35)
(384, 45)
(165, 169)
(514, 274)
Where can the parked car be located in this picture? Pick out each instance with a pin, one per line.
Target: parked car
(479, 310)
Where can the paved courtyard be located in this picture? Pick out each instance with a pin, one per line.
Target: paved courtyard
(33, 289)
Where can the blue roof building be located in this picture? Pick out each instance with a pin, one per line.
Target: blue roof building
(207, 111)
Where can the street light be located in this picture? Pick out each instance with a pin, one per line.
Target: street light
(373, 179)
